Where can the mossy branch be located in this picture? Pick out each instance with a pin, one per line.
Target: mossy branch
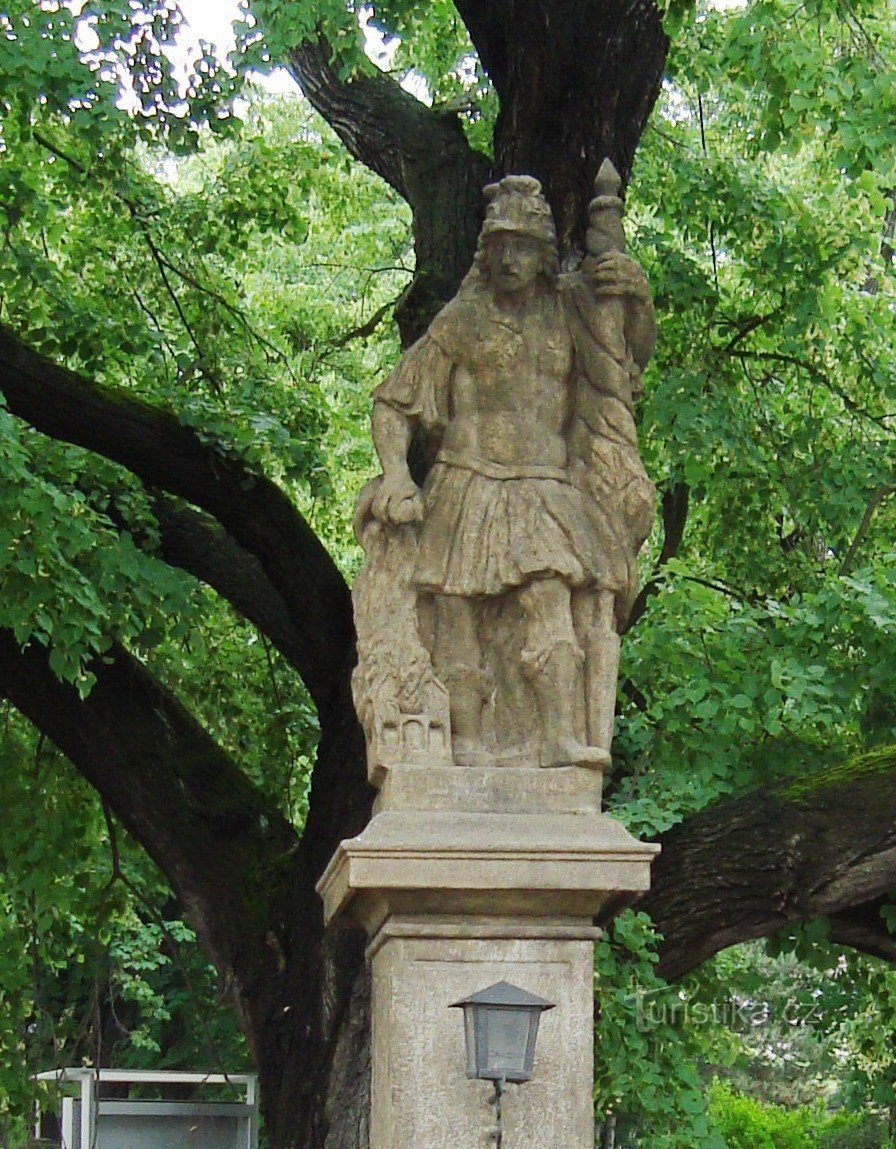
(823, 844)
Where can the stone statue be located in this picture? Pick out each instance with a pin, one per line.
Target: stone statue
(491, 599)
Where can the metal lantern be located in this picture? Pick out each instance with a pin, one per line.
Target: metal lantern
(500, 1027)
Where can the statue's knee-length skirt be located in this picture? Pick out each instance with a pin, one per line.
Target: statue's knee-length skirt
(482, 536)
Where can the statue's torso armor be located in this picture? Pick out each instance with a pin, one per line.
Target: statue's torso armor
(510, 400)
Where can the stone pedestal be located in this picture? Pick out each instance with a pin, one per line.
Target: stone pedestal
(421, 1094)
(467, 876)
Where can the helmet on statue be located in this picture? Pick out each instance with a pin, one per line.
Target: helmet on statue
(517, 204)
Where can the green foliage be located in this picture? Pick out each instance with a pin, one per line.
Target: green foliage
(246, 287)
(71, 578)
(767, 649)
(431, 40)
(750, 1124)
(855, 1131)
(780, 1044)
(812, 1023)
(812, 69)
(111, 67)
(779, 1017)
(238, 271)
(95, 961)
(745, 1122)
(644, 1060)
(230, 304)
(286, 25)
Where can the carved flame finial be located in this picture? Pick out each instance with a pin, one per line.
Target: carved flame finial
(608, 181)
(605, 211)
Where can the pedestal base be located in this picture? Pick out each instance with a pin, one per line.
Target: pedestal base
(485, 841)
(421, 1095)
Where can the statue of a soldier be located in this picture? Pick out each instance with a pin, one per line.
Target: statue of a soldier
(519, 549)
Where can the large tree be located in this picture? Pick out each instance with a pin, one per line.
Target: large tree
(572, 82)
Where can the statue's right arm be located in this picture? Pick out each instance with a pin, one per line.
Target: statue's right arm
(414, 397)
(398, 499)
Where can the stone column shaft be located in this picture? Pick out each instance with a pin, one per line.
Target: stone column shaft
(421, 1095)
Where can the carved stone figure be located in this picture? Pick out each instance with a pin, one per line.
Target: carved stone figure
(505, 579)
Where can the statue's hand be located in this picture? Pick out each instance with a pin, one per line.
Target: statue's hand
(615, 273)
(398, 500)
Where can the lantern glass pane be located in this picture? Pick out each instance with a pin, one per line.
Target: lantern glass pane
(470, 1039)
(534, 1019)
(507, 1040)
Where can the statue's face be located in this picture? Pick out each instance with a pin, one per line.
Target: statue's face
(514, 261)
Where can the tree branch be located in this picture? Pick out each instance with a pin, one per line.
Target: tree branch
(164, 454)
(749, 866)
(198, 544)
(366, 328)
(820, 376)
(863, 928)
(880, 495)
(217, 838)
(423, 154)
(887, 249)
(675, 503)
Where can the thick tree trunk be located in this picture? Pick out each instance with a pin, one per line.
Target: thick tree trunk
(577, 80)
(421, 153)
(313, 1069)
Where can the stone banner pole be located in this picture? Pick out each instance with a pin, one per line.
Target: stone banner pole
(488, 614)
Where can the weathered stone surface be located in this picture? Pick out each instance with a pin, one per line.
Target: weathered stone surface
(483, 790)
(484, 841)
(485, 874)
(420, 1093)
(489, 606)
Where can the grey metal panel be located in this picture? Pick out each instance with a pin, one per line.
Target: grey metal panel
(161, 1125)
(127, 1107)
(90, 1123)
(175, 1132)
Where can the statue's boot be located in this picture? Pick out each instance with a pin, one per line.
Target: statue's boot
(469, 690)
(596, 627)
(557, 680)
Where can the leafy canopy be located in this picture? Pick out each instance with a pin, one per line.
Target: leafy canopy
(220, 258)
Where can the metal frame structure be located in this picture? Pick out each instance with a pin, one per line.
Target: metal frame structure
(82, 1134)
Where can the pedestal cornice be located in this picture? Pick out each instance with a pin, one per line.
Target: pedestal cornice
(413, 861)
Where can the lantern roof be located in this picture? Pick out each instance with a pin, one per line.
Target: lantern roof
(502, 993)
